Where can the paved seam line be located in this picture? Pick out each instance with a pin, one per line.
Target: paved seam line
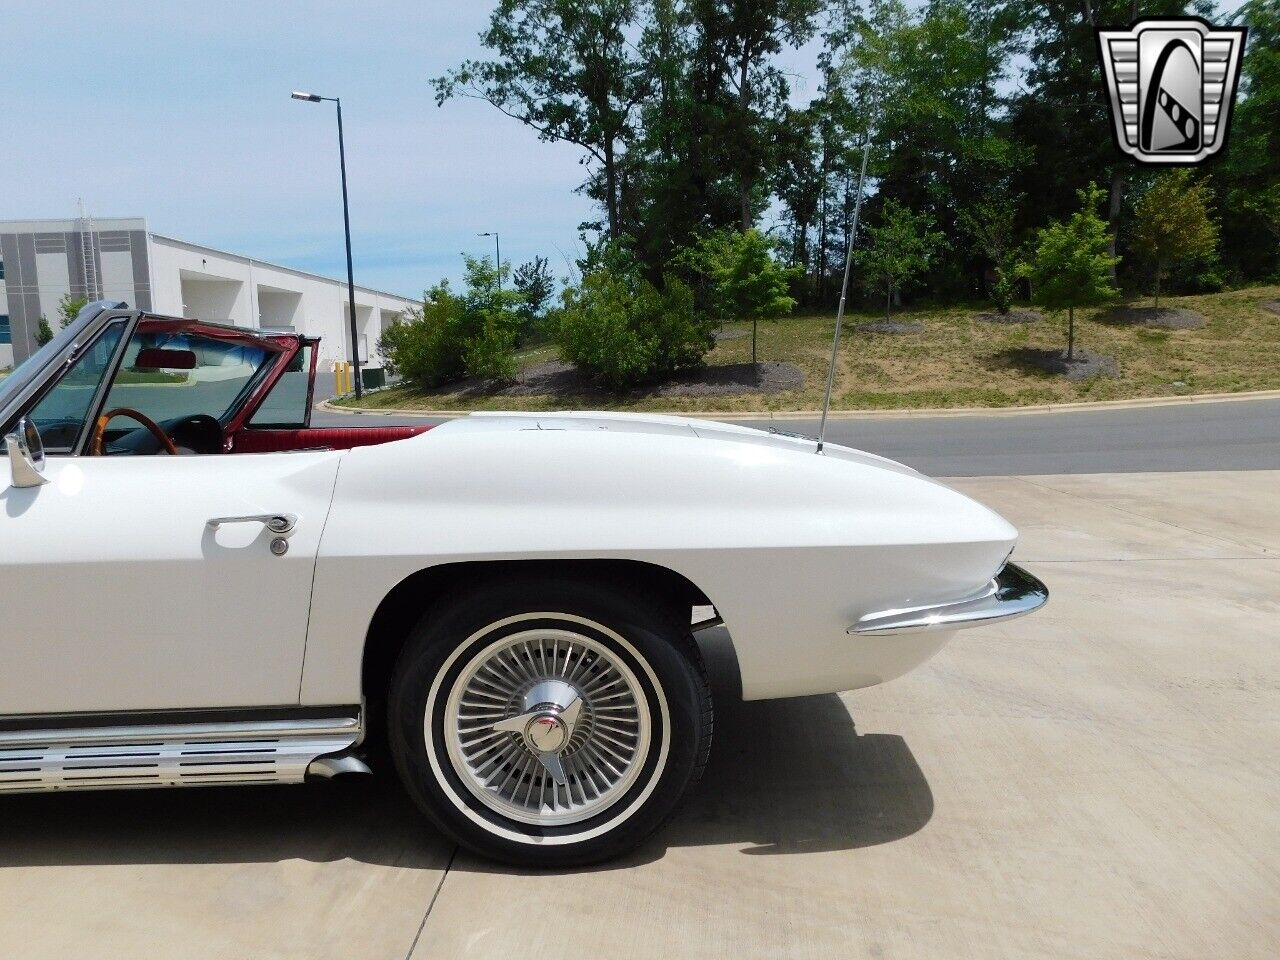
(1140, 559)
(1142, 516)
(430, 906)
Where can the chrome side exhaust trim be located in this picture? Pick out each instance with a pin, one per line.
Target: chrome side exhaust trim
(329, 767)
(174, 755)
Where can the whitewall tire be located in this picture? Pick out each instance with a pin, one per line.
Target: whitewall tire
(547, 722)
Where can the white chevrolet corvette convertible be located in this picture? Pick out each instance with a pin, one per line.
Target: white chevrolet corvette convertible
(504, 605)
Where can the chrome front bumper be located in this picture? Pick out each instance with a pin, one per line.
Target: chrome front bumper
(1013, 593)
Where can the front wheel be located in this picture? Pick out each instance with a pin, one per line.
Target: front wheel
(547, 722)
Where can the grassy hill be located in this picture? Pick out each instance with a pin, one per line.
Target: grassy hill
(956, 360)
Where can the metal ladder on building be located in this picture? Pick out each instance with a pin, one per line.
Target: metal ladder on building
(89, 255)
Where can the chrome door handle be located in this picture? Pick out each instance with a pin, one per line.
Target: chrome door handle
(275, 522)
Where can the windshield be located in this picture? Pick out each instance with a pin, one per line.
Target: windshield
(172, 375)
(30, 368)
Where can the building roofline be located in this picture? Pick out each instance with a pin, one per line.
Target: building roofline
(277, 266)
(139, 223)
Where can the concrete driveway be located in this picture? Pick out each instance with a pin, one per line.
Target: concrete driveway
(1096, 781)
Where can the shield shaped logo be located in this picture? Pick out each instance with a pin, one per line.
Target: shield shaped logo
(1172, 84)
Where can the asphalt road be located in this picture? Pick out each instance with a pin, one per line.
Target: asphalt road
(1228, 435)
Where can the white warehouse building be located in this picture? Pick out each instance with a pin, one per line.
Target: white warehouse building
(120, 259)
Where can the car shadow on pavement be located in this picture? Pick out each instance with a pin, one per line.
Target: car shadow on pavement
(794, 776)
(785, 776)
(367, 819)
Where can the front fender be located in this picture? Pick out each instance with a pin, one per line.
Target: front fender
(790, 546)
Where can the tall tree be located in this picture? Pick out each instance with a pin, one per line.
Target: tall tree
(929, 82)
(1172, 224)
(1062, 113)
(1250, 167)
(737, 40)
(566, 69)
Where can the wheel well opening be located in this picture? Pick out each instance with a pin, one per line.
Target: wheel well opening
(414, 596)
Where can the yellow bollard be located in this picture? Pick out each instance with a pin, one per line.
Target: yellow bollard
(342, 380)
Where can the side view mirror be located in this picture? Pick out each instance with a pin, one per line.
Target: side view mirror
(26, 455)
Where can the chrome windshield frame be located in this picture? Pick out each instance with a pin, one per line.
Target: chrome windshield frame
(80, 332)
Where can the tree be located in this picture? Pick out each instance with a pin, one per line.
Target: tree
(534, 283)
(1249, 173)
(70, 306)
(744, 280)
(1071, 266)
(897, 249)
(929, 83)
(566, 69)
(1265, 206)
(1172, 222)
(1062, 112)
(736, 40)
(989, 224)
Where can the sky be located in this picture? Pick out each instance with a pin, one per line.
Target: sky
(180, 112)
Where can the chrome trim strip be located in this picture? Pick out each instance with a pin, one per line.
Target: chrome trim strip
(173, 755)
(1013, 593)
(185, 731)
(16, 722)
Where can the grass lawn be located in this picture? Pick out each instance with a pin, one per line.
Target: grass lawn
(957, 361)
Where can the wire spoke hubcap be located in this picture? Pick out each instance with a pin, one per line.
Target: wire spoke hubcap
(547, 726)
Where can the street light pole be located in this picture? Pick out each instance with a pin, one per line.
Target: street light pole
(497, 252)
(346, 226)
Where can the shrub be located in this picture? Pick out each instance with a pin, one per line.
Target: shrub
(491, 354)
(1002, 290)
(454, 336)
(622, 330)
(425, 346)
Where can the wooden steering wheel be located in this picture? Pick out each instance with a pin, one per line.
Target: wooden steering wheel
(95, 445)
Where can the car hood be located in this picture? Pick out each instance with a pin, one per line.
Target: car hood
(660, 425)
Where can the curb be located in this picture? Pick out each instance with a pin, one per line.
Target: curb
(1083, 407)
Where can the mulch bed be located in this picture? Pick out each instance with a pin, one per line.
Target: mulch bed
(890, 326)
(1084, 364)
(1167, 318)
(554, 376)
(769, 376)
(557, 378)
(1013, 316)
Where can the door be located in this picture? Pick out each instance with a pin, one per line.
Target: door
(120, 595)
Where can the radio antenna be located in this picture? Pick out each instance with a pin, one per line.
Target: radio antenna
(844, 292)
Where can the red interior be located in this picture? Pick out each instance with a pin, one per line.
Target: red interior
(334, 438)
